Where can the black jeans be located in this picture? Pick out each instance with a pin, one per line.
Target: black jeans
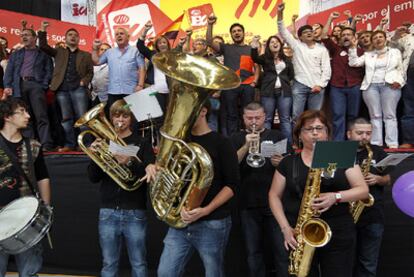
(261, 231)
(35, 97)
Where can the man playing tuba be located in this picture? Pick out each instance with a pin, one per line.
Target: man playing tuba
(209, 225)
(122, 212)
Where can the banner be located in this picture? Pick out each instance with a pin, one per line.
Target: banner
(78, 11)
(397, 11)
(131, 15)
(10, 28)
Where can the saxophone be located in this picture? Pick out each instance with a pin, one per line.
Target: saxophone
(186, 169)
(310, 230)
(356, 207)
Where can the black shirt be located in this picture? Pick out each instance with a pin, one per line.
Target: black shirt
(256, 182)
(72, 79)
(226, 170)
(112, 195)
(375, 213)
(10, 179)
(295, 184)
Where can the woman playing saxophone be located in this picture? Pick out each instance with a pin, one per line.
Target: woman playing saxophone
(288, 188)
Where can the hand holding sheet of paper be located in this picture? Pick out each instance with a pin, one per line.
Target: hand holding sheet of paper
(117, 149)
(268, 148)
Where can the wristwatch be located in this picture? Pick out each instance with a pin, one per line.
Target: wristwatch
(338, 197)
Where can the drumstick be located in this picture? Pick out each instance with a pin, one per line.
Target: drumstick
(49, 240)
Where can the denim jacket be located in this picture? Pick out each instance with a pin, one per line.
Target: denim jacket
(42, 70)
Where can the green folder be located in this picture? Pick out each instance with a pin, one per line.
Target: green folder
(341, 154)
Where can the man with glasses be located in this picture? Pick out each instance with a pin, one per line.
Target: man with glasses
(312, 67)
(258, 224)
(27, 76)
(14, 117)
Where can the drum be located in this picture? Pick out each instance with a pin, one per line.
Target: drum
(23, 223)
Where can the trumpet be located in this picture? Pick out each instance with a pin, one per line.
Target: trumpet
(255, 159)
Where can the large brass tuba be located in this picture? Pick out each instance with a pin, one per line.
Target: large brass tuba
(356, 207)
(186, 169)
(100, 127)
(310, 230)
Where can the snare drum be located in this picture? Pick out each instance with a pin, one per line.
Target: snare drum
(23, 223)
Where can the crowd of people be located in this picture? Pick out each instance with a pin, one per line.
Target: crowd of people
(292, 75)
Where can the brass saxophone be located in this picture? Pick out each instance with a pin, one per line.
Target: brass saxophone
(310, 230)
(186, 169)
(356, 207)
(101, 128)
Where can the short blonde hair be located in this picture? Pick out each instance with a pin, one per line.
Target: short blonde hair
(120, 107)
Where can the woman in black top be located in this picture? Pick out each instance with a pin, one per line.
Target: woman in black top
(275, 89)
(285, 196)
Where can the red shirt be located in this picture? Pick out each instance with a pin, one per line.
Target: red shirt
(342, 74)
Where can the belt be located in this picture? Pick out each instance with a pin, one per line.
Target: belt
(28, 78)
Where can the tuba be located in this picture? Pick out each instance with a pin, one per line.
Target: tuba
(356, 207)
(186, 169)
(101, 128)
(310, 230)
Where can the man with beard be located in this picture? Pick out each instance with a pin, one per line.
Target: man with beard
(126, 67)
(345, 82)
(370, 225)
(237, 57)
(311, 64)
(71, 77)
(27, 76)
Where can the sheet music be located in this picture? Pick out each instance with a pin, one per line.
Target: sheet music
(129, 150)
(268, 148)
(144, 104)
(392, 159)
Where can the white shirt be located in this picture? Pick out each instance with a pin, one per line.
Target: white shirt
(311, 64)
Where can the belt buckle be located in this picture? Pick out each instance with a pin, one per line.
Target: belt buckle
(27, 78)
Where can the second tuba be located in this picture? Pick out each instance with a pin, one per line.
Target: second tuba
(100, 127)
(186, 169)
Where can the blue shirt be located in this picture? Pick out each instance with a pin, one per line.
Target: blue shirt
(123, 69)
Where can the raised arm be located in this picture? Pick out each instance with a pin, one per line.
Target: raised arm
(354, 60)
(328, 23)
(42, 35)
(209, 35)
(283, 31)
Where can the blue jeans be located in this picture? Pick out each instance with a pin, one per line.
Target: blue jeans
(407, 120)
(132, 225)
(284, 107)
(369, 239)
(345, 103)
(73, 104)
(208, 237)
(382, 102)
(301, 95)
(231, 104)
(28, 263)
(260, 228)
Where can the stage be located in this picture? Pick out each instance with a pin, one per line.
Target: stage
(75, 240)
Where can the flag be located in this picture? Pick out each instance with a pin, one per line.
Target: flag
(172, 30)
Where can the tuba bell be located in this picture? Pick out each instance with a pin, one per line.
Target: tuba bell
(100, 127)
(186, 169)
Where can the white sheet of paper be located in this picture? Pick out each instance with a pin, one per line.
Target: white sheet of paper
(392, 159)
(129, 150)
(144, 104)
(268, 148)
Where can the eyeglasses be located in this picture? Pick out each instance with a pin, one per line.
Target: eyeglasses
(318, 129)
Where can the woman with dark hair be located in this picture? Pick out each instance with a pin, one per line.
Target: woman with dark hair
(275, 90)
(381, 87)
(285, 196)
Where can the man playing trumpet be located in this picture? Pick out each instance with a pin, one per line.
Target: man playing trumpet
(256, 216)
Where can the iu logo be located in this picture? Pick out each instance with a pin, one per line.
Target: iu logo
(79, 10)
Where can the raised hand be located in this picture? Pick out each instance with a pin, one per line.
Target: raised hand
(255, 42)
(281, 7)
(96, 44)
(334, 15)
(148, 26)
(44, 25)
(212, 19)
(294, 17)
(358, 17)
